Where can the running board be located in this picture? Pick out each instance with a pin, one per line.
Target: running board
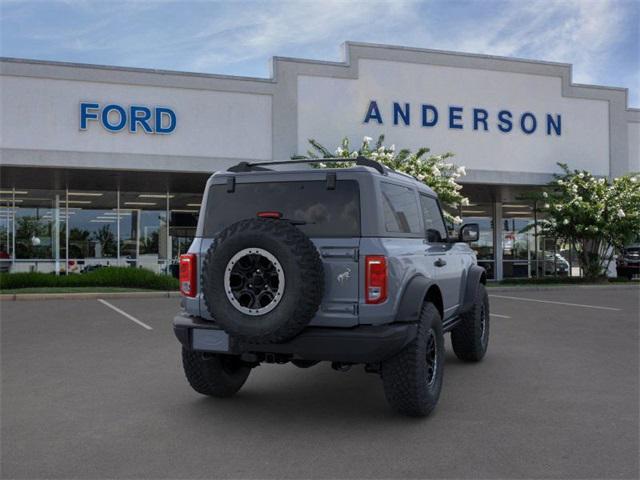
(450, 323)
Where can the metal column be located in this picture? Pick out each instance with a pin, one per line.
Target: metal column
(498, 239)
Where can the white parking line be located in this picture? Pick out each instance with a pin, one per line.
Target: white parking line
(556, 303)
(499, 316)
(125, 314)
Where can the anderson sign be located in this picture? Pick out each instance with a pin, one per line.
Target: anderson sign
(460, 118)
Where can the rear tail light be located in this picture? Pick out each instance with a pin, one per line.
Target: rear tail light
(270, 214)
(375, 278)
(188, 272)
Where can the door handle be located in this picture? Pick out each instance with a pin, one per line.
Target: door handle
(440, 263)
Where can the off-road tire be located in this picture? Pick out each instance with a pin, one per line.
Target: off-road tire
(214, 375)
(303, 272)
(469, 339)
(404, 376)
(305, 363)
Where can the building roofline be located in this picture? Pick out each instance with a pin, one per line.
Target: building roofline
(347, 46)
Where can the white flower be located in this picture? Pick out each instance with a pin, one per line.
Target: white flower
(634, 179)
(339, 152)
(435, 171)
(367, 139)
(565, 221)
(581, 175)
(461, 170)
(558, 207)
(354, 155)
(545, 194)
(546, 205)
(392, 148)
(457, 220)
(464, 202)
(560, 182)
(621, 213)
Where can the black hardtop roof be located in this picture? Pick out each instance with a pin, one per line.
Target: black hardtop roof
(362, 164)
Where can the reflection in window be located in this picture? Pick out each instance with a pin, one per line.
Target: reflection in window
(518, 239)
(400, 209)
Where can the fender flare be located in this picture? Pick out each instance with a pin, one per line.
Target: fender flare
(413, 298)
(475, 276)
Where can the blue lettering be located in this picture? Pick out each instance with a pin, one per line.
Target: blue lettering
(139, 115)
(557, 125)
(373, 112)
(504, 117)
(105, 118)
(162, 112)
(480, 115)
(523, 123)
(399, 112)
(455, 113)
(425, 115)
(85, 114)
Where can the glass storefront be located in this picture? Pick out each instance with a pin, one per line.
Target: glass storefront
(70, 231)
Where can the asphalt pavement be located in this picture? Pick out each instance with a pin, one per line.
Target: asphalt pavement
(87, 392)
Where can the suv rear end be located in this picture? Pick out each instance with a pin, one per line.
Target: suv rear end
(352, 266)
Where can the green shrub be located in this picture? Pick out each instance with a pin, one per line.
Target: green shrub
(103, 277)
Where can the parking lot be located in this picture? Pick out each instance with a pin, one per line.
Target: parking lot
(89, 391)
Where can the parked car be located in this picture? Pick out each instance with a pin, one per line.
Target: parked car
(628, 262)
(554, 264)
(351, 266)
(5, 261)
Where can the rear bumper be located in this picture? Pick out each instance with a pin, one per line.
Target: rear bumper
(627, 268)
(362, 344)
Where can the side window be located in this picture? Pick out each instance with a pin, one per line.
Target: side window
(435, 230)
(400, 209)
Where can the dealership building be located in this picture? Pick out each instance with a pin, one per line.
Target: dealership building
(106, 165)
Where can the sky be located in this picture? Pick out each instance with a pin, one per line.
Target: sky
(601, 38)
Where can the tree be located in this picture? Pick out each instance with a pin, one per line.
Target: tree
(105, 237)
(595, 215)
(433, 170)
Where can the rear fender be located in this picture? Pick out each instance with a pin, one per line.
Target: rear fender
(413, 298)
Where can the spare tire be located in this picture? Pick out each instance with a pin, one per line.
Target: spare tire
(262, 280)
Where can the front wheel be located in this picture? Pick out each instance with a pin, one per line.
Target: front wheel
(214, 375)
(412, 379)
(470, 338)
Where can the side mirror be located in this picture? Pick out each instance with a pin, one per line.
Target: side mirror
(469, 232)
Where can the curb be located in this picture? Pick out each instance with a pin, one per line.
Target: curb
(85, 296)
(534, 288)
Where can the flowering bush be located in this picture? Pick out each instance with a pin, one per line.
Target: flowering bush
(592, 214)
(433, 170)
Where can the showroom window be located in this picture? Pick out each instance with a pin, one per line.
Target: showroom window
(76, 231)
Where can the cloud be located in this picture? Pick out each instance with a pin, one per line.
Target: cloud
(599, 37)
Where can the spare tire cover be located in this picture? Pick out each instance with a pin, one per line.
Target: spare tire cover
(262, 280)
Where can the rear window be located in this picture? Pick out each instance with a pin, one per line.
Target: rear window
(325, 213)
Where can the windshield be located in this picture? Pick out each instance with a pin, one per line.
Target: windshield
(315, 209)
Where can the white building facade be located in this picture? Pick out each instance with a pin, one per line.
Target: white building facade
(106, 165)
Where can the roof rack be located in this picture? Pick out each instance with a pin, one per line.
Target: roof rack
(262, 166)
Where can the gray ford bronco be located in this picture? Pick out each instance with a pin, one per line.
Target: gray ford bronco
(348, 265)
